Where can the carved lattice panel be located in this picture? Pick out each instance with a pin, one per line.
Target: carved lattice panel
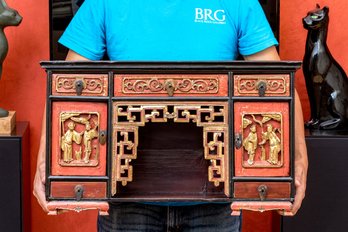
(124, 151)
(213, 117)
(216, 150)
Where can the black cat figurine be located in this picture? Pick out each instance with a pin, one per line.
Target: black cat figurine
(326, 81)
(8, 17)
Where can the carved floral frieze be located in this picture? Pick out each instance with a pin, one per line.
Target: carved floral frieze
(249, 84)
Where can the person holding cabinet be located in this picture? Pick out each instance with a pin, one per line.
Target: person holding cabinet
(173, 30)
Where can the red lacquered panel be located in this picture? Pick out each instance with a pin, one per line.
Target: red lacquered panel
(78, 138)
(275, 85)
(263, 128)
(91, 190)
(171, 85)
(274, 190)
(89, 84)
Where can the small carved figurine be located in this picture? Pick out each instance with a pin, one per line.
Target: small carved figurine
(274, 144)
(88, 135)
(326, 81)
(8, 17)
(250, 144)
(67, 142)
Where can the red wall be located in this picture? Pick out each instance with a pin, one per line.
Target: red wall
(22, 88)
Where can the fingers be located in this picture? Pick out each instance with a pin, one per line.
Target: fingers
(39, 190)
(300, 184)
(42, 172)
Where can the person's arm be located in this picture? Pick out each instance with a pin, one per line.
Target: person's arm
(73, 56)
(301, 159)
(40, 175)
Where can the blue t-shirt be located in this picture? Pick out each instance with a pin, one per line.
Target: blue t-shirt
(172, 30)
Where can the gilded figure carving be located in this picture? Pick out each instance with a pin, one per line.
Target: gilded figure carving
(250, 144)
(67, 141)
(88, 135)
(79, 142)
(274, 144)
(268, 152)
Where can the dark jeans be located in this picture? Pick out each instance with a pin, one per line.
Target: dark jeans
(146, 217)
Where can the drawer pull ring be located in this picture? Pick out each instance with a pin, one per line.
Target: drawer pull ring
(79, 86)
(238, 140)
(262, 189)
(79, 192)
(169, 86)
(262, 87)
(102, 137)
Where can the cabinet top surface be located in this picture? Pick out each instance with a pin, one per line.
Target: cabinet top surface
(208, 65)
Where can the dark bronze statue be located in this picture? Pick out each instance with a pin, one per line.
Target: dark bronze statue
(326, 81)
(8, 17)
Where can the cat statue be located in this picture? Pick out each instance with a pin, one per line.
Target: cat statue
(326, 81)
(8, 17)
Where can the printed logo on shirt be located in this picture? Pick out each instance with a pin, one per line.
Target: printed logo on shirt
(210, 16)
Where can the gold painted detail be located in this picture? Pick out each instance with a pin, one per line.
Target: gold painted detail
(79, 144)
(125, 150)
(91, 85)
(202, 115)
(215, 149)
(248, 84)
(262, 140)
(178, 85)
(129, 116)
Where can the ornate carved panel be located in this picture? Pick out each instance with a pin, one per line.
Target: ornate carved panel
(264, 145)
(215, 144)
(79, 138)
(248, 85)
(188, 85)
(128, 116)
(262, 135)
(88, 85)
(124, 151)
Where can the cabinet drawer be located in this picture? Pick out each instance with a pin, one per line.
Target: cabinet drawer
(80, 84)
(170, 85)
(272, 190)
(262, 85)
(90, 190)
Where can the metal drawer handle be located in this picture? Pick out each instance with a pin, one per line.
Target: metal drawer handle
(79, 192)
(262, 189)
(102, 137)
(79, 86)
(262, 87)
(238, 140)
(169, 86)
